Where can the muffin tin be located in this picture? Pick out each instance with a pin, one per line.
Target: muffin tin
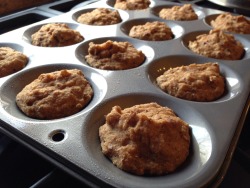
(73, 144)
(23, 18)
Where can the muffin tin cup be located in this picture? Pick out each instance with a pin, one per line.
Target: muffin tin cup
(157, 8)
(19, 48)
(16, 83)
(27, 35)
(232, 79)
(176, 29)
(82, 50)
(73, 143)
(240, 38)
(123, 15)
(200, 130)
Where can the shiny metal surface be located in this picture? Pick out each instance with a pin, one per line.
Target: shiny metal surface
(238, 4)
(78, 150)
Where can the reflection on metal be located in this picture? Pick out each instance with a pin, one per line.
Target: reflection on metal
(204, 142)
(234, 85)
(233, 82)
(239, 4)
(148, 51)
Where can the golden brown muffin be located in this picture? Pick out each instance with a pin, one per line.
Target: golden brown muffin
(152, 31)
(235, 24)
(217, 44)
(100, 16)
(112, 55)
(195, 82)
(56, 35)
(145, 139)
(180, 13)
(11, 61)
(132, 4)
(55, 95)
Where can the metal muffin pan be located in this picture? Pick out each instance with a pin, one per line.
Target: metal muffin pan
(16, 83)
(63, 6)
(22, 18)
(73, 144)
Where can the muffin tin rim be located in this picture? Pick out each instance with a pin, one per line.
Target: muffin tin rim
(229, 65)
(87, 72)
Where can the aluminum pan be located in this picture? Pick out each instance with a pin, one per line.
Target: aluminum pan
(238, 4)
(213, 123)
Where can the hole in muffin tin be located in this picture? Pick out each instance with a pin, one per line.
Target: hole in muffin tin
(82, 49)
(33, 29)
(176, 29)
(58, 135)
(124, 15)
(201, 137)
(157, 67)
(156, 10)
(16, 83)
(192, 36)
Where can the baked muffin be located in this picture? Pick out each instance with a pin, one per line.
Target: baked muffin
(179, 13)
(11, 61)
(113, 55)
(132, 4)
(145, 139)
(195, 82)
(235, 24)
(217, 44)
(152, 31)
(55, 95)
(56, 35)
(100, 16)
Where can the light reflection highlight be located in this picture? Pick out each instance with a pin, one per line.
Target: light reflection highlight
(233, 82)
(203, 139)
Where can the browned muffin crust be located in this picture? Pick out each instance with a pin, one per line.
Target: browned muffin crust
(55, 95)
(152, 31)
(179, 13)
(132, 4)
(11, 61)
(100, 16)
(232, 23)
(145, 139)
(194, 82)
(56, 35)
(113, 55)
(217, 44)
